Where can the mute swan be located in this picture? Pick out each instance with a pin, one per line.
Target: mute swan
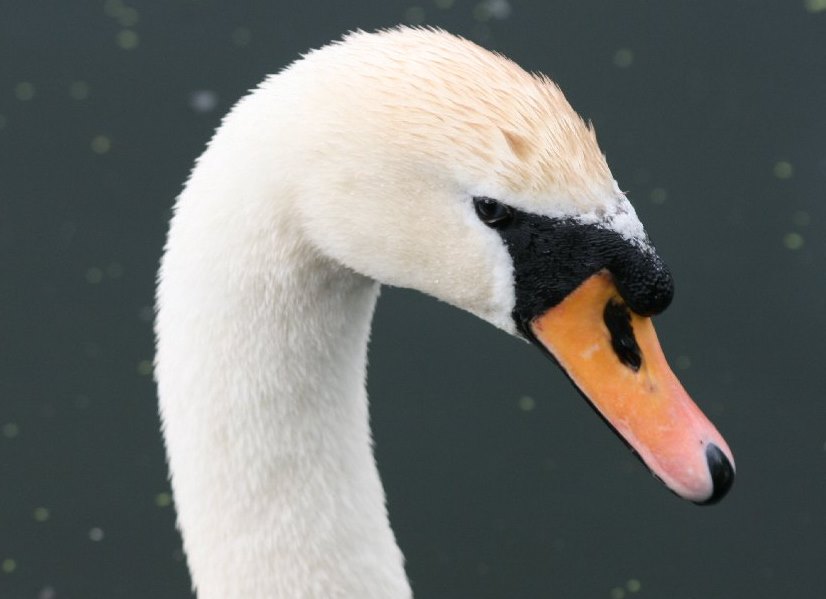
(407, 157)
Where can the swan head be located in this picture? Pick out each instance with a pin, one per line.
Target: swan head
(424, 161)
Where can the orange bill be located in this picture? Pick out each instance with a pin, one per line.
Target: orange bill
(614, 358)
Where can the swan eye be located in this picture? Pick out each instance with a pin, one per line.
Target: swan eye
(492, 213)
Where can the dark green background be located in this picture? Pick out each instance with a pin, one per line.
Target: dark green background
(717, 129)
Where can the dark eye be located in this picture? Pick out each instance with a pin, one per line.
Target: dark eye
(492, 213)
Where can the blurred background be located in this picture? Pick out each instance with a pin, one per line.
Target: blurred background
(500, 480)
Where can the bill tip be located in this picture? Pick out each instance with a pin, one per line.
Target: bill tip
(722, 474)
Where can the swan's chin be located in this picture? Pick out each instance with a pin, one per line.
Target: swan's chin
(613, 357)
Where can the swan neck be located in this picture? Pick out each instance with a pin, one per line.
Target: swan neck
(261, 358)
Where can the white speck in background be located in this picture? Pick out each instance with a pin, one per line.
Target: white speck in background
(624, 58)
(526, 403)
(24, 91)
(163, 499)
(101, 144)
(783, 169)
(96, 534)
(41, 514)
(499, 9)
(815, 5)
(10, 430)
(8, 565)
(144, 368)
(793, 241)
(127, 39)
(203, 100)
(47, 592)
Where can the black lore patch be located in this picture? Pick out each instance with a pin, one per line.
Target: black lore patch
(553, 256)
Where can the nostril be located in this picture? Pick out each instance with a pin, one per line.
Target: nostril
(618, 320)
(722, 474)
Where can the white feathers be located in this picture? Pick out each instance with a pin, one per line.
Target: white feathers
(356, 164)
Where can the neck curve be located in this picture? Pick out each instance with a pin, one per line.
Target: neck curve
(261, 366)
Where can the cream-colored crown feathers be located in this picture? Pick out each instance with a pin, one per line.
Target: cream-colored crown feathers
(471, 106)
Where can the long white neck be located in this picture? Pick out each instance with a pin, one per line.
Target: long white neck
(261, 367)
